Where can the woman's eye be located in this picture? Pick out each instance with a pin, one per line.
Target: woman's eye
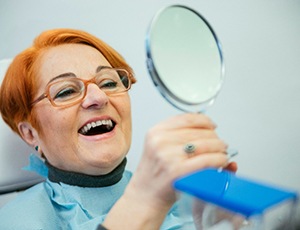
(68, 92)
(108, 85)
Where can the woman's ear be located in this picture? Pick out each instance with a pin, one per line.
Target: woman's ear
(28, 133)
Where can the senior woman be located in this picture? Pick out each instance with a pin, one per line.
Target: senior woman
(67, 97)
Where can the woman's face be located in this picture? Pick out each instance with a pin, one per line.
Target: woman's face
(60, 138)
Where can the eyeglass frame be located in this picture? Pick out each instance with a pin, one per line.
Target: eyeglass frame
(46, 94)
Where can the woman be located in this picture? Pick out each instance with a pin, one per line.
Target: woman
(67, 97)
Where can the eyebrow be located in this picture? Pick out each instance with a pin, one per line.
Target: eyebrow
(100, 67)
(63, 75)
(70, 74)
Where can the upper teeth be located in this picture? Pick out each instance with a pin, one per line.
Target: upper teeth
(88, 126)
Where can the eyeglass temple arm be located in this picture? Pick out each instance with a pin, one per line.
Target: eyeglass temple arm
(38, 99)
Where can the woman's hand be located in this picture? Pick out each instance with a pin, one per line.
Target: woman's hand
(164, 159)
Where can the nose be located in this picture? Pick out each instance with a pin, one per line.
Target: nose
(94, 97)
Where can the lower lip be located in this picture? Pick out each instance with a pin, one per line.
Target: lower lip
(100, 137)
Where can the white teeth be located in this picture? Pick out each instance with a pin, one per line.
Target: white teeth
(88, 126)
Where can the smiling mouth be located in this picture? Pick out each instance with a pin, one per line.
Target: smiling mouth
(97, 127)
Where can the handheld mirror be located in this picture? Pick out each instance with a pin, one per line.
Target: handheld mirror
(184, 58)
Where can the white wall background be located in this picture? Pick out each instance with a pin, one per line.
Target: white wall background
(258, 109)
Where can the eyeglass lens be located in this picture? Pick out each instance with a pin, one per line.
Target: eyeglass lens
(110, 81)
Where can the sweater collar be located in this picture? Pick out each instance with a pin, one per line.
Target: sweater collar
(83, 180)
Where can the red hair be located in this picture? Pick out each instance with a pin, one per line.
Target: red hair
(18, 87)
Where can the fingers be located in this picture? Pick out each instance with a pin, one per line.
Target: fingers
(232, 166)
(203, 146)
(212, 160)
(180, 130)
(170, 146)
(188, 121)
(198, 133)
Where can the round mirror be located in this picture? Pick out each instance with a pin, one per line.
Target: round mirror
(184, 58)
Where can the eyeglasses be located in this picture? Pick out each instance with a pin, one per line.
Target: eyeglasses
(71, 90)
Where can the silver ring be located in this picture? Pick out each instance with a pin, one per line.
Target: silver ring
(189, 148)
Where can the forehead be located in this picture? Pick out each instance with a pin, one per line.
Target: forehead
(79, 59)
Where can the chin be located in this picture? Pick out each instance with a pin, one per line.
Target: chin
(105, 163)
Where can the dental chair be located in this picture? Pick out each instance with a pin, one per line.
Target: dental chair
(14, 155)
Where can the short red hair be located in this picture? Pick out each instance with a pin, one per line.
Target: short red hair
(18, 86)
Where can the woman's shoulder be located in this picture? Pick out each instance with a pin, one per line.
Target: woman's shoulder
(26, 208)
(34, 208)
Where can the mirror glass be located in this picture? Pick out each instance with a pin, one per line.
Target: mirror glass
(184, 58)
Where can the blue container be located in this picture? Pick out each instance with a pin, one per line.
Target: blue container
(214, 199)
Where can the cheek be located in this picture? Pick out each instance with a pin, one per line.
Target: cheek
(126, 121)
(126, 111)
(52, 121)
(123, 107)
(43, 118)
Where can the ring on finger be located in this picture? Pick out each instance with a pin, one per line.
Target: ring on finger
(189, 148)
